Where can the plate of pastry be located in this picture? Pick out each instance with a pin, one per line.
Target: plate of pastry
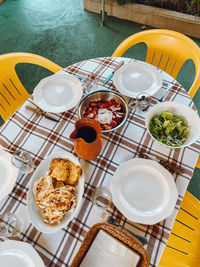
(55, 192)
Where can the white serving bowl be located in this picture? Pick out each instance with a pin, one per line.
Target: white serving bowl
(179, 109)
(35, 213)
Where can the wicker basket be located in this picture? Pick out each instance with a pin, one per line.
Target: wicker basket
(124, 237)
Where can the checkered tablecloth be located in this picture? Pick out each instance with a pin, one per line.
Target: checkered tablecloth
(41, 137)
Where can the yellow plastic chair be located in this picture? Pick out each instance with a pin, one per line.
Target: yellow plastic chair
(182, 248)
(167, 50)
(12, 92)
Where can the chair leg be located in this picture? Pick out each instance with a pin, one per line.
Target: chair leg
(103, 11)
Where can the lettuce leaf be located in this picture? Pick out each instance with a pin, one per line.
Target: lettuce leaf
(169, 129)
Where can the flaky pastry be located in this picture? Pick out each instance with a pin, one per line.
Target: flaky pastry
(74, 173)
(53, 202)
(59, 169)
(65, 170)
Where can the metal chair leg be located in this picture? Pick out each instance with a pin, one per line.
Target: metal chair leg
(103, 11)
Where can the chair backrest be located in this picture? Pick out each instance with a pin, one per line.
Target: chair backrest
(12, 92)
(167, 50)
(182, 248)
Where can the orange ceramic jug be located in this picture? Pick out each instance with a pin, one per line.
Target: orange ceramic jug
(87, 138)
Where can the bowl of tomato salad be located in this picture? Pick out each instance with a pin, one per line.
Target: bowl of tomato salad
(107, 107)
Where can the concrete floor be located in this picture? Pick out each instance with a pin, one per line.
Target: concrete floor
(63, 32)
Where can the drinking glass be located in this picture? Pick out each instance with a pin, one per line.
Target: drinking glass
(141, 103)
(10, 225)
(23, 161)
(101, 198)
(89, 84)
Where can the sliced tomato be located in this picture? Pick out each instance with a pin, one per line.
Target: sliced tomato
(99, 104)
(113, 123)
(94, 104)
(91, 116)
(104, 105)
(112, 102)
(87, 113)
(117, 119)
(107, 127)
(89, 109)
(94, 112)
(118, 106)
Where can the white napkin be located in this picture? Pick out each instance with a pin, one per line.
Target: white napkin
(107, 251)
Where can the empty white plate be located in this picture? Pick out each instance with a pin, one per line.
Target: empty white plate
(143, 191)
(58, 92)
(8, 174)
(16, 253)
(137, 77)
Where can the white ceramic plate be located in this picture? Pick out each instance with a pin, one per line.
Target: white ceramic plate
(137, 77)
(8, 174)
(143, 191)
(58, 92)
(16, 253)
(35, 213)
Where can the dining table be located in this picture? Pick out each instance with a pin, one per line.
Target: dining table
(27, 130)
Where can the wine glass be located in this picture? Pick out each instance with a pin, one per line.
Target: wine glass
(101, 198)
(23, 161)
(10, 225)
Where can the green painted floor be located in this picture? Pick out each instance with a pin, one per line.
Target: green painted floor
(63, 32)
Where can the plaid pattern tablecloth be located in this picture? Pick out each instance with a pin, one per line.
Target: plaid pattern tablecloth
(42, 137)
